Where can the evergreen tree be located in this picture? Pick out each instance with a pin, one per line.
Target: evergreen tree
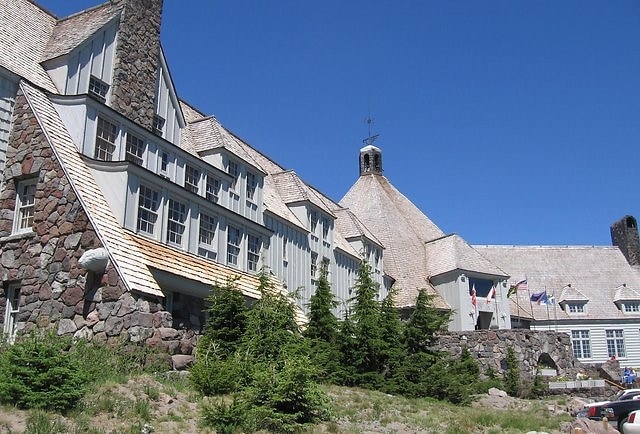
(323, 325)
(347, 347)
(425, 322)
(368, 329)
(512, 374)
(271, 325)
(227, 319)
(392, 331)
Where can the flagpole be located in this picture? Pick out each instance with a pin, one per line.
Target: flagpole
(547, 303)
(533, 317)
(495, 297)
(555, 312)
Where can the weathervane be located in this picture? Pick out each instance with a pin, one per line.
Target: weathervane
(370, 139)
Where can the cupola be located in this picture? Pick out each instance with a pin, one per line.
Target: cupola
(370, 160)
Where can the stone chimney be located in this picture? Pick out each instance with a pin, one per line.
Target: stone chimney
(624, 235)
(136, 60)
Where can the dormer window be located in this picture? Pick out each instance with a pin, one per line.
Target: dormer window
(212, 188)
(575, 307)
(158, 125)
(105, 140)
(314, 221)
(135, 149)
(234, 171)
(98, 88)
(251, 185)
(631, 306)
(191, 179)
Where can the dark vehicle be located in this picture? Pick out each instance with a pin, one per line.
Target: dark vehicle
(616, 411)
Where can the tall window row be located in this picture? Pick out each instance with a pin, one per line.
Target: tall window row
(171, 219)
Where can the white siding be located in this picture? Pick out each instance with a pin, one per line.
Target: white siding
(92, 58)
(167, 104)
(598, 339)
(293, 268)
(7, 99)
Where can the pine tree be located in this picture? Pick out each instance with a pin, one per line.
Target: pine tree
(271, 325)
(392, 333)
(367, 322)
(323, 324)
(425, 322)
(347, 346)
(227, 319)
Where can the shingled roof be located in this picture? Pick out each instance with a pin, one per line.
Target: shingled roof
(402, 229)
(25, 30)
(596, 275)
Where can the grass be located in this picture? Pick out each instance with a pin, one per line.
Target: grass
(132, 406)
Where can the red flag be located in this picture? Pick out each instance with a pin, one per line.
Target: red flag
(492, 294)
(473, 295)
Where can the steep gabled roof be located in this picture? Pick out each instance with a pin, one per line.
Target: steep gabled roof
(595, 274)
(350, 226)
(123, 252)
(451, 253)
(402, 228)
(74, 30)
(25, 30)
(292, 189)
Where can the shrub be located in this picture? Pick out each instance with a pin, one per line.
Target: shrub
(213, 376)
(226, 418)
(512, 374)
(39, 372)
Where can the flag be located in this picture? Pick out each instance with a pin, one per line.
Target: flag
(512, 290)
(473, 295)
(522, 285)
(492, 293)
(539, 297)
(551, 299)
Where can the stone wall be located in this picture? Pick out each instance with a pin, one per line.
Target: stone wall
(55, 293)
(136, 61)
(532, 348)
(624, 234)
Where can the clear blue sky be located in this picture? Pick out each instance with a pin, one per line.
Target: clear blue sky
(507, 122)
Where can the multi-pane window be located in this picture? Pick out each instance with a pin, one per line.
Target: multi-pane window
(176, 217)
(164, 162)
(105, 140)
(135, 149)
(314, 264)
(234, 171)
(191, 179)
(575, 307)
(11, 313)
(251, 185)
(253, 252)
(25, 205)
(158, 125)
(325, 228)
(98, 87)
(148, 201)
(208, 226)
(631, 306)
(615, 343)
(233, 245)
(212, 189)
(581, 343)
(314, 221)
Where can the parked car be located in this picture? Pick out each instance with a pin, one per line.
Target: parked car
(632, 425)
(621, 395)
(616, 412)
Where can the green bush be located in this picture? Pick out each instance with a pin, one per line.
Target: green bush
(215, 376)
(226, 418)
(39, 372)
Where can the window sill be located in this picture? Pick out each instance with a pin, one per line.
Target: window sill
(18, 236)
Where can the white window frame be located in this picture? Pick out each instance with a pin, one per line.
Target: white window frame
(192, 178)
(615, 343)
(150, 208)
(631, 306)
(11, 312)
(177, 215)
(106, 136)
(254, 246)
(134, 148)
(313, 221)
(233, 169)
(252, 185)
(212, 188)
(98, 88)
(208, 235)
(25, 205)
(234, 243)
(314, 265)
(576, 308)
(581, 344)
